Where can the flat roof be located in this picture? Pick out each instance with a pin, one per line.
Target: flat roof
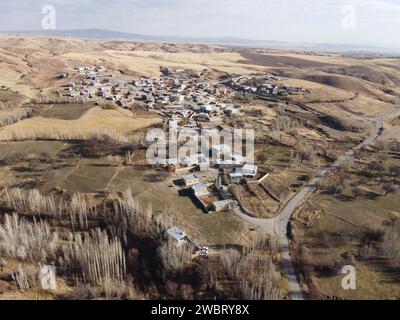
(199, 186)
(250, 167)
(177, 233)
(236, 174)
(190, 177)
(222, 203)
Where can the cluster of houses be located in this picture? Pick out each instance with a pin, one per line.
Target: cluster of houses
(187, 100)
(180, 94)
(211, 194)
(263, 85)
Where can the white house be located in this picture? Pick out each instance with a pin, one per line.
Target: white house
(208, 108)
(200, 190)
(190, 180)
(178, 235)
(249, 170)
(203, 117)
(222, 205)
(230, 111)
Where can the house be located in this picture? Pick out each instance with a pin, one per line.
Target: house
(203, 117)
(207, 108)
(178, 236)
(249, 170)
(204, 166)
(62, 76)
(236, 177)
(230, 111)
(227, 164)
(178, 99)
(190, 180)
(222, 205)
(200, 190)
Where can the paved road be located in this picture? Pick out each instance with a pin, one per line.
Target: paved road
(279, 226)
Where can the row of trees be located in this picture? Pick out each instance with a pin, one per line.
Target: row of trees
(62, 134)
(7, 105)
(15, 117)
(119, 245)
(42, 99)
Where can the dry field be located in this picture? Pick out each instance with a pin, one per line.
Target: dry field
(96, 121)
(353, 228)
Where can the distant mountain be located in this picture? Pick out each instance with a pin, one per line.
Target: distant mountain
(100, 34)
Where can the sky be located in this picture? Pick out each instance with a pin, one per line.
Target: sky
(359, 22)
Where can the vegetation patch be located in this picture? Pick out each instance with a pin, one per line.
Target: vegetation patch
(66, 111)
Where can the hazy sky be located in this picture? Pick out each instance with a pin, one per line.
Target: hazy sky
(319, 21)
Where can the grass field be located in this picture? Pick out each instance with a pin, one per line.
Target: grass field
(341, 228)
(13, 97)
(89, 179)
(96, 120)
(66, 111)
(218, 228)
(32, 147)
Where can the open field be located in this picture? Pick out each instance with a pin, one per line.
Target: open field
(95, 121)
(344, 226)
(12, 98)
(66, 111)
(36, 147)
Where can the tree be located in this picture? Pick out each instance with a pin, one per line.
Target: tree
(262, 158)
(376, 166)
(389, 188)
(357, 192)
(395, 172)
(305, 153)
(390, 245)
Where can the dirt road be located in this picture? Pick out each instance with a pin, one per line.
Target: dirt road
(278, 226)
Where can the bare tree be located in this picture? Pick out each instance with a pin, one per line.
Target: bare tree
(25, 278)
(357, 192)
(391, 243)
(376, 167)
(395, 173)
(173, 258)
(389, 188)
(97, 257)
(27, 241)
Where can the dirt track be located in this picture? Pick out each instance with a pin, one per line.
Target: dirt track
(279, 226)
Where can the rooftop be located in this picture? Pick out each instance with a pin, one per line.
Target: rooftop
(190, 177)
(176, 233)
(199, 187)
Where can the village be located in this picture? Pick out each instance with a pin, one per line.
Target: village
(193, 106)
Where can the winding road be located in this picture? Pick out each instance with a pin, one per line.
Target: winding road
(278, 226)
